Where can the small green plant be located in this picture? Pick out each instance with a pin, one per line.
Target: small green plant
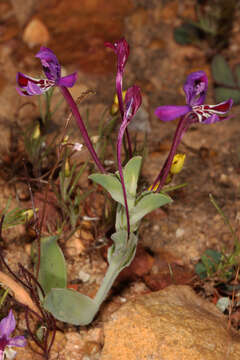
(227, 81)
(213, 25)
(16, 216)
(221, 265)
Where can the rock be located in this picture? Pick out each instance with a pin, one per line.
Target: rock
(170, 324)
(36, 33)
(74, 246)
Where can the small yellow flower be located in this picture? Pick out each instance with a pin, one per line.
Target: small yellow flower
(176, 167)
(29, 213)
(115, 105)
(65, 140)
(177, 164)
(36, 132)
(67, 168)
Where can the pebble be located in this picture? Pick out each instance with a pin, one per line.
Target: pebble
(36, 33)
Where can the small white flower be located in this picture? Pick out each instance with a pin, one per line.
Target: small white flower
(77, 146)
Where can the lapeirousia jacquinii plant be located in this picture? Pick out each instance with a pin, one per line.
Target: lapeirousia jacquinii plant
(71, 306)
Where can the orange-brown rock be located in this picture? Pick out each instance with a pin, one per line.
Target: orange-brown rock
(172, 324)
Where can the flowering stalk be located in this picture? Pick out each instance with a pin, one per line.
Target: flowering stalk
(162, 176)
(119, 147)
(121, 108)
(133, 101)
(29, 86)
(121, 49)
(70, 101)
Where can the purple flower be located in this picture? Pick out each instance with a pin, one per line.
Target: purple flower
(195, 90)
(52, 69)
(7, 326)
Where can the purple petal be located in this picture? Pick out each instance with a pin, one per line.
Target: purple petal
(18, 341)
(31, 86)
(195, 88)
(51, 66)
(121, 49)
(7, 325)
(1, 355)
(68, 81)
(209, 114)
(171, 112)
(133, 100)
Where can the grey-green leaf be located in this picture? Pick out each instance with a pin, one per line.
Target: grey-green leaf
(221, 71)
(52, 272)
(148, 203)
(237, 72)
(222, 94)
(131, 173)
(70, 306)
(110, 183)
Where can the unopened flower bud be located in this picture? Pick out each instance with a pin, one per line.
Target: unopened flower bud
(28, 214)
(177, 164)
(36, 132)
(115, 105)
(67, 168)
(65, 140)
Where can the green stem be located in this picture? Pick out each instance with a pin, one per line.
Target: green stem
(112, 272)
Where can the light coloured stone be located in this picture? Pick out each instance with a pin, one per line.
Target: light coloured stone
(36, 33)
(171, 324)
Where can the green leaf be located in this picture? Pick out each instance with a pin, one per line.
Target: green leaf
(148, 203)
(237, 73)
(52, 272)
(131, 173)
(111, 184)
(186, 34)
(201, 270)
(222, 94)
(215, 255)
(221, 71)
(70, 306)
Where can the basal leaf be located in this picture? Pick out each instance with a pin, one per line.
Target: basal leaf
(70, 306)
(221, 71)
(52, 272)
(222, 94)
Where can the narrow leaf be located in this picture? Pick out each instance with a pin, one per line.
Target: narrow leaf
(221, 71)
(237, 73)
(52, 272)
(222, 94)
